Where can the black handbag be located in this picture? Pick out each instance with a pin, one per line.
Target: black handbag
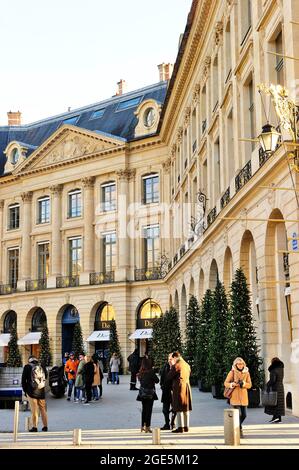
(146, 393)
(269, 398)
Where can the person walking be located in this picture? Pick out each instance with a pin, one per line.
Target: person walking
(166, 398)
(88, 377)
(275, 384)
(71, 367)
(239, 380)
(114, 367)
(33, 383)
(134, 365)
(66, 358)
(147, 393)
(79, 384)
(179, 375)
(96, 378)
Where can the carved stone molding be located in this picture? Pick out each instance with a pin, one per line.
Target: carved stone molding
(167, 165)
(27, 197)
(225, 236)
(56, 188)
(180, 135)
(187, 116)
(206, 69)
(1, 203)
(195, 94)
(126, 174)
(218, 33)
(88, 181)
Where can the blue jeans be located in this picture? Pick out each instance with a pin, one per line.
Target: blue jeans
(95, 392)
(71, 383)
(77, 393)
(114, 377)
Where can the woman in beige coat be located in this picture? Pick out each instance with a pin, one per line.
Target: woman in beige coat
(239, 380)
(96, 379)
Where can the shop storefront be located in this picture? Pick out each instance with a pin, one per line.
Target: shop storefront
(148, 311)
(101, 334)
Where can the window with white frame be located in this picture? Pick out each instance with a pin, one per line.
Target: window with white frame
(151, 246)
(108, 195)
(75, 256)
(13, 266)
(14, 216)
(109, 251)
(150, 188)
(43, 260)
(43, 208)
(75, 203)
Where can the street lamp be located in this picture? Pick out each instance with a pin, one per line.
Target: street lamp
(269, 138)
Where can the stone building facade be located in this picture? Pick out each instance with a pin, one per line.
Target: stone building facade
(117, 202)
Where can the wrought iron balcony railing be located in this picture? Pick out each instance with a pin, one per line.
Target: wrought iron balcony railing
(175, 259)
(211, 216)
(67, 281)
(243, 176)
(204, 126)
(101, 278)
(194, 146)
(225, 198)
(7, 289)
(148, 274)
(36, 284)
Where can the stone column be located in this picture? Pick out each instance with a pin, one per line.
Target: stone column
(1, 238)
(25, 271)
(56, 235)
(123, 241)
(89, 229)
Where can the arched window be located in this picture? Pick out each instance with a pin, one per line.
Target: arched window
(105, 313)
(150, 310)
(10, 321)
(39, 319)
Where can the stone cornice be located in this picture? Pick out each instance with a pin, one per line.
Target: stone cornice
(200, 22)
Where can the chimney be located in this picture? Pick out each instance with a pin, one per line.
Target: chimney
(165, 71)
(121, 87)
(14, 118)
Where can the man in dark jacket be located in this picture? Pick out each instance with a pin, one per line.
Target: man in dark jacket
(134, 365)
(166, 398)
(33, 384)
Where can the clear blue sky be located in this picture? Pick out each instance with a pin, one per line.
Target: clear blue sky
(61, 53)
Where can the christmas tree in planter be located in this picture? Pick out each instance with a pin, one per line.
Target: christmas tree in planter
(14, 356)
(192, 328)
(166, 336)
(202, 342)
(241, 338)
(45, 356)
(77, 345)
(216, 364)
(114, 346)
(159, 350)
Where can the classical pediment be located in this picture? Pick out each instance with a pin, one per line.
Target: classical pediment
(68, 144)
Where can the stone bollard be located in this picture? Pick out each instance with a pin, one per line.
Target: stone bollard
(16, 421)
(77, 437)
(232, 427)
(156, 436)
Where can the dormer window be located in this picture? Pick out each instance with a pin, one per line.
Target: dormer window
(147, 113)
(14, 156)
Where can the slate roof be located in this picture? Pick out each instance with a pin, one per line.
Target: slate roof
(114, 120)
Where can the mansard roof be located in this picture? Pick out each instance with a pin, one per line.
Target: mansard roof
(114, 116)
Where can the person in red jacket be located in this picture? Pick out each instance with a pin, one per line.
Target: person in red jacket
(71, 367)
